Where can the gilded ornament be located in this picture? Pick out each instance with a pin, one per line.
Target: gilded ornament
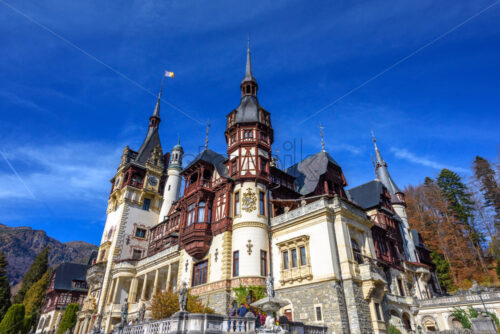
(249, 201)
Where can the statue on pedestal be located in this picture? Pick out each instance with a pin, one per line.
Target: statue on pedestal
(183, 297)
(270, 286)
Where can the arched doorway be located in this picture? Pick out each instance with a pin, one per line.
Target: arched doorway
(407, 321)
(429, 324)
(455, 323)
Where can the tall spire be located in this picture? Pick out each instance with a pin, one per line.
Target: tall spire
(382, 172)
(206, 138)
(154, 120)
(248, 84)
(321, 127)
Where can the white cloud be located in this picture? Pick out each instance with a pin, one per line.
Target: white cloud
(424, 161)
(68, 171)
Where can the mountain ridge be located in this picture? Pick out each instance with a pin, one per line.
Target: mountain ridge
(21, 244)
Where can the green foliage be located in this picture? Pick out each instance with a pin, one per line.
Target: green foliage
(391, 329)
(166, 303)
(473, 313)
(34, 273)
(29, 322)
(4, 287)
(241, 293)
(459, 198)
(13, 321)
(462, 317)
(69, 318)
(495, 318)
(33, 299)
(443, 271)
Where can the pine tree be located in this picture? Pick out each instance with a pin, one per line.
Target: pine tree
(461, 207)
(34, 298)
(442, 271)
(4, 287)
(13, 322)
(69, 318)
(34, 273)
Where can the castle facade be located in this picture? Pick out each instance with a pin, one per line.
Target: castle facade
(342, 258)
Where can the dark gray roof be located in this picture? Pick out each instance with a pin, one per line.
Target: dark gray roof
(366, 195)
(248, 110)
(214, 158)
(308, 171)
(152, 140)
(66, 273)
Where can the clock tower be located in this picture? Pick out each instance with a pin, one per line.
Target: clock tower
(249, 137)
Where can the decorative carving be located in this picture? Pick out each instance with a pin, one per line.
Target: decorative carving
(216, 255)
(187, 265)
(249, 201)
(249, 247)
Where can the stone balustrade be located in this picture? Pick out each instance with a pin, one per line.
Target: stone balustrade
(461, 299)
(186, 323)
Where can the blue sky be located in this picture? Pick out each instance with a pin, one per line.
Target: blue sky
(70, 103)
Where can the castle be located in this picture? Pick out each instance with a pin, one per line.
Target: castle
(343, 258)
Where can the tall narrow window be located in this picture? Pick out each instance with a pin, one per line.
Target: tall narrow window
(262, 165)
(237, 203)
(294, 257)
(146, 204)
(377, 311)
(319, 316)
(286, 264)
(356, 251)
(262, 203)
(209, 215)
(400, 286)
(303, 260)
(200, 273)
(201, 211)
(236, 264)
(263, 263)
(190, 218)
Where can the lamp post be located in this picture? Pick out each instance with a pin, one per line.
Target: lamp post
(477, 289)
(419, 329)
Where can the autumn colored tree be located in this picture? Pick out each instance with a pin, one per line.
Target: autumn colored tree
(34, 273)
(4, 287)
(166, 303)
(489, 190)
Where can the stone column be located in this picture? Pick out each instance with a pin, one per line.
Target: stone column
(169, 277)
(155, 284)
(144, 286)
(132, 294)
(115, 293)
(110, 292)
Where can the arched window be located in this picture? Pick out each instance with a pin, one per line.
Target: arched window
(356, 251)
(201, 211)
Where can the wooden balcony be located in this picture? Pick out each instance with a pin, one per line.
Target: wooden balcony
(196, 239)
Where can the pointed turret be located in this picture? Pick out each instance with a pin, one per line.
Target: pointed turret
(152, 137)
(248, 84)
(383, 175)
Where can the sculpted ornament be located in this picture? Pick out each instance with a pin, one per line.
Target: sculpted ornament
(249, 201)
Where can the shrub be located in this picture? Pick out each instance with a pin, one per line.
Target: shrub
(69, 318)
(13, 321)
(391, 329)
(166, 303)
(241, 293)
(462, 317)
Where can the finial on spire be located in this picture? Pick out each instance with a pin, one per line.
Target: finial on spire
(248, 69)
(156, 112)
(322, 139)
(178, 139)
(206, 138)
